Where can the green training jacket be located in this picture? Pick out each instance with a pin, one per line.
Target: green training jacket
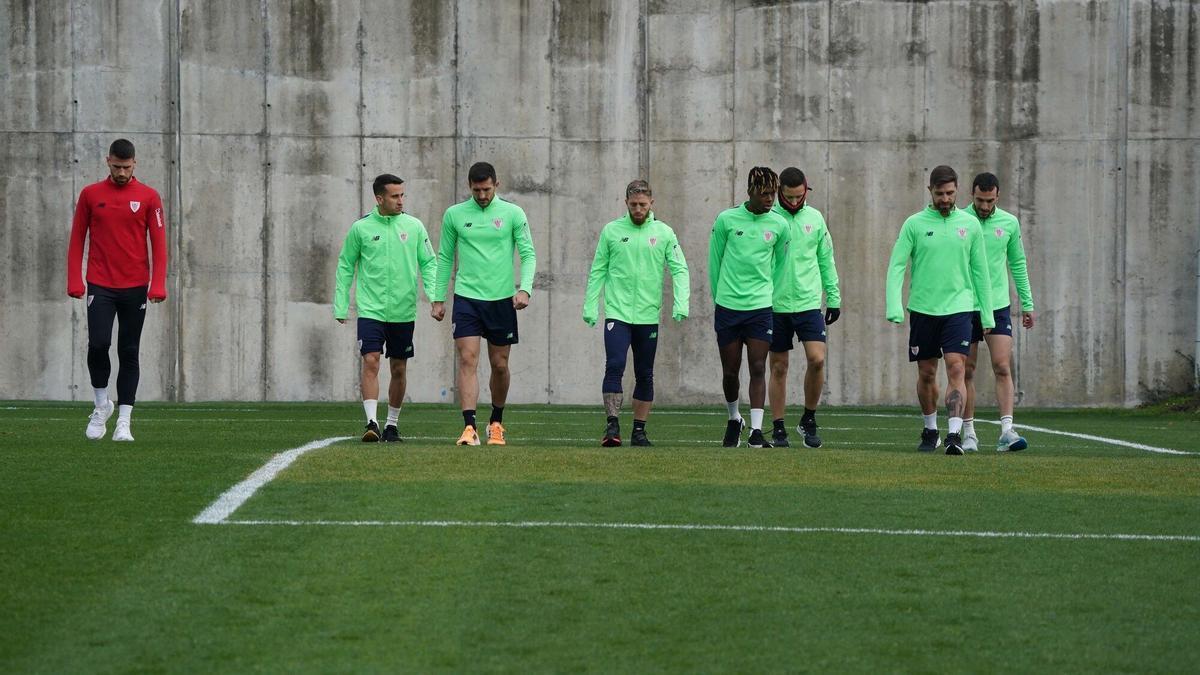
(484, 240)
(628, 267)
(949, 266)
(387, 252)
(744, 254)
(810, 267)
(1002, 240)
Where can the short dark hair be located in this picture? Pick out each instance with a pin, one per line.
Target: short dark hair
(792, 177)
(986, 182)
(762, 180)
(481, 171)
(942, 174)
(638, 186)
(121, 149)
(383, 180)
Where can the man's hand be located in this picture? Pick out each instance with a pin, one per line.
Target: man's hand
(75, 294)
(437, 310)
(679, 317)
(590, 321)
(157, 300)
(832, 314)
(1027, 319)
(520, 300)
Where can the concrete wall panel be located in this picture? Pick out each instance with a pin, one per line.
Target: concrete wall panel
(1164, 68)
(597, 70)
(690, 62)
(35, 70)
(408, 68)
(314, 69)
(504, 69)
(222, 56)
(122, 65)
(1081, 90)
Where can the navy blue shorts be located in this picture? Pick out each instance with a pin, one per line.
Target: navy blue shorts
(806, 326)
(1003, 324)
(493, 320)
(373, 335)
(750, 324)
(929, 336)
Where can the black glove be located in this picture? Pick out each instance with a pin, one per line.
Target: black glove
(832, 314)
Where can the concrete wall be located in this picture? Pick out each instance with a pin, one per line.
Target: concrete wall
(263, 123)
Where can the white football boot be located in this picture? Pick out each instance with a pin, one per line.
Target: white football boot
(98, 421)
(1011, 442)
(121, 431)
(970, 443)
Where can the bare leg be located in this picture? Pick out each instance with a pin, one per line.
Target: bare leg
(370, 376)
(641, 409)
(814, 376)
(468, 378)
(498, 356)
(956, 395)
(612, 404)
(1000, 348)
(399, 382)
(731, 366)
(927, 388)
(969, 381)
(756, 359)
(777, 389)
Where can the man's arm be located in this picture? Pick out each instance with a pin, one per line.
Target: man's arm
(347, 260)
(901, 253)
(1020, 272)
(595, 282)
(156, 225)
(445, 259)
(681, 289)
(829, 275)
(981, 279)
(79, 229)
(524, 241)
(716, 251)
(427, 260)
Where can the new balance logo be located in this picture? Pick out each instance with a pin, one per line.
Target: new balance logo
(624, 240)
(510, 336)
(467, 225)
(654, 335)
(740, 233)
(375, 238)
(409, 348)
(927, 234)
(964, 343)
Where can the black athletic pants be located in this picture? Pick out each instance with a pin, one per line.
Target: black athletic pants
(128, 307)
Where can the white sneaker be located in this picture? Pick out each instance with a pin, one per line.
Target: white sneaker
(970, 443)
(98, 421)
(121, 431)
(1011, 442)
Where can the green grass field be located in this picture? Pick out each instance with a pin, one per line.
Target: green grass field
(861, 556)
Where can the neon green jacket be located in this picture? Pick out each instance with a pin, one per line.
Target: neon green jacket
(810, 265)
(745, 252)
(1002, 240)
(949, 266)
(386, 251)
(628, 266)
(484, 240)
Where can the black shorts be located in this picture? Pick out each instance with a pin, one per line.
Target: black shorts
(493, 320)
(929, 336)
(749, 324)
(374, 334)
(806, 326)
(1003, 324)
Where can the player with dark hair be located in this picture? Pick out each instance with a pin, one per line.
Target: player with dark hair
(484, 231)
(1005, 253)
(118, 214)
(949, 279)
(628, 268)
(747, 249)
(388, 249)
(796, 305)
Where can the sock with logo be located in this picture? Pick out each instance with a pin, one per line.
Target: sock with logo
(497, 414)
(639, 425)
(393, 416)
(810, 415)
(955, 425)
(124, 412)
(931, 420)
(371, 407)
(756, 418)
(1006, 424)
(732, 407)
(469, 417)
(968, 428)
(779, 424)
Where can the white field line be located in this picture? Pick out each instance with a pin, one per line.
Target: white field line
(237, 495)
(531, 524)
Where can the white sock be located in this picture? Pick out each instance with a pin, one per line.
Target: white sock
(101, 396)
(370, 406)
(756, 415)
(393, 416)
(732, 407)
(931, 420)
(955, 425)
(124, 412)
(968, 426)
(1006, 424)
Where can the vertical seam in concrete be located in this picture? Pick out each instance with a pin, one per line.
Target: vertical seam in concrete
(829, 205)
(732, 90)
(265, 148)
(1122, 179)
(925, 75)
(453, 198)
(644, 91)
(74, 191)
(362, 102)
(552, 38)
(175, 56)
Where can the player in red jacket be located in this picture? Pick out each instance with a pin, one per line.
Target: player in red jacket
(118, 213)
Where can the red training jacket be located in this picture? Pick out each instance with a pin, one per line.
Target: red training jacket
(119, 217)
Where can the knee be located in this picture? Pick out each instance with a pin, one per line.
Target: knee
(1001, 370)
(955, 371)
(371, 362)
(779, 369)
(127, 353)
(500, 367)
(969, 372)
(816, 362)
(757, 369)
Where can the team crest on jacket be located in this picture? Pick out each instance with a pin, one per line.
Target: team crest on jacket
(999, 232)
(768, 236)
(498, 223)
(653, 241)
(962, 233)
(134, 206)
(808, 228)
(403, 236)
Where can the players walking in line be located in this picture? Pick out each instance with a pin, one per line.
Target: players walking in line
(628, 268)
(949, 279)
(796, 305)
(1002, 241)
(118, 214)
(483, 231)
(746, 251)
(387, 249)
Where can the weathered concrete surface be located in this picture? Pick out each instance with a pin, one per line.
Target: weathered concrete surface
(262, 124)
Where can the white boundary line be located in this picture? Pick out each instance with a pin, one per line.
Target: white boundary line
(530, 524)
(237, 495)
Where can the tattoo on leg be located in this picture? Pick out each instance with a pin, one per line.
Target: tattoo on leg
(954, 403)
(612, 403)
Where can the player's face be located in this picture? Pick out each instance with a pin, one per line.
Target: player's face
(391, 202)
(484, 191)
(639, 204)
(792, 198)
(943, 197)
(121, 170)
(985, 202)
(761, 202)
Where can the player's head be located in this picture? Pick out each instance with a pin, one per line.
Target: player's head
(761, 185)
(793, 189)
(943, 188)
(482, 180)
(639, 199)
(985, 190)
(121, 161)
(389, 194)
